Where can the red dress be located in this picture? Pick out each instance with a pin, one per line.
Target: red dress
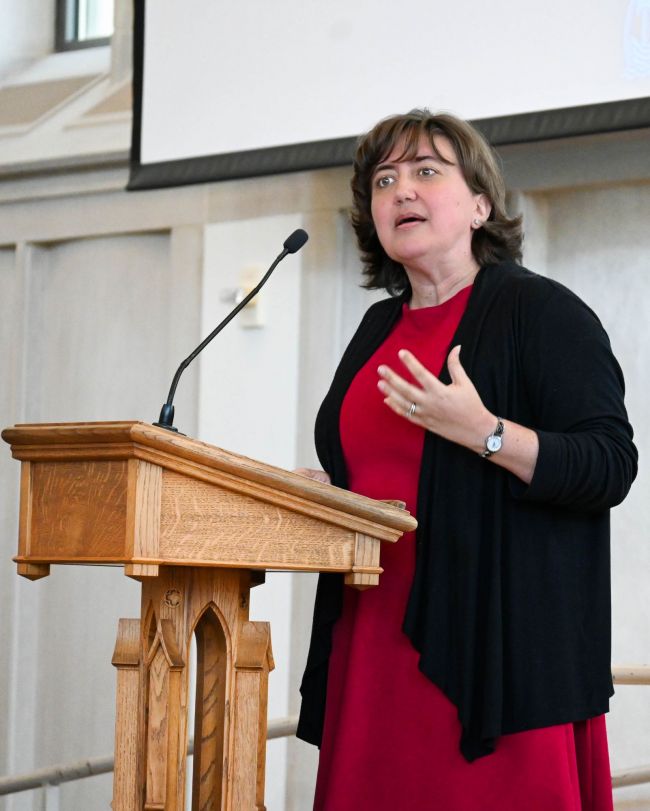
(391, 737)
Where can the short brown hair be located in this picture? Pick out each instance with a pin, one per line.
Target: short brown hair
(499, 238)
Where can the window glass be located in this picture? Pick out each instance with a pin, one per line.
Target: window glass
(95, 19)
(81, 23)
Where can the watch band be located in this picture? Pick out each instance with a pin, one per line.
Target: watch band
(494, 440)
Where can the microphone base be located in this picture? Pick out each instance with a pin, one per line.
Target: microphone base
(167, 427)
(166, 418)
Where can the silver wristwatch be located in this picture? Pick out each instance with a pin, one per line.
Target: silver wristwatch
(494, 441)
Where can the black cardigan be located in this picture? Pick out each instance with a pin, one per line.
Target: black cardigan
(510, 602)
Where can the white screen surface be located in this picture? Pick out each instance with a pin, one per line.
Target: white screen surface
(222, 77)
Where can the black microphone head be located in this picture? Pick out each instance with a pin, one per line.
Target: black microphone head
(295, 242)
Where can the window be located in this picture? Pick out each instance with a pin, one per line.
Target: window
(83, 23)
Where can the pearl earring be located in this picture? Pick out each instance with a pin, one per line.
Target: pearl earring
(476, 222)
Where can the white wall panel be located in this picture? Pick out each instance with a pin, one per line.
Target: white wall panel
(248, 404)
(96, 315)
(599, 246)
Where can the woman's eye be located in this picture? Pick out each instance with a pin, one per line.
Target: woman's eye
(427, 171)
(383, 181)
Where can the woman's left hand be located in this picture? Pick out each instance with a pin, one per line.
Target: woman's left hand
(456, 412)
(453, 411)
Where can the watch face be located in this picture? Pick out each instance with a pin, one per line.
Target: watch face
(493, 443)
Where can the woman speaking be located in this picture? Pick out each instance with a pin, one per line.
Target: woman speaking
(476, 675)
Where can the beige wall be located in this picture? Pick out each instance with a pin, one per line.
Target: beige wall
(103, 292)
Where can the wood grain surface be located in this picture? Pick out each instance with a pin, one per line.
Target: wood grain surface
(126, 658)
(209, 713)
(365, 563)
(78, 509)
(203, 522)
(122, 440)
(132, 494)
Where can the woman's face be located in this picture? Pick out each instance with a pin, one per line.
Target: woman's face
(423, 209)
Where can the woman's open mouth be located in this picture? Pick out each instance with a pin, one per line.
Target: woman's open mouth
(408, 220)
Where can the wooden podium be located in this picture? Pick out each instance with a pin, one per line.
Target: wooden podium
(198, 526)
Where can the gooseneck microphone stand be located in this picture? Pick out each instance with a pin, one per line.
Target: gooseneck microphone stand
(292, 244)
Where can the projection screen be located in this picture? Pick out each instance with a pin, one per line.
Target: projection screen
(226, 90)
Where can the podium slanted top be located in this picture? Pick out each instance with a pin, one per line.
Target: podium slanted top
(133, 494)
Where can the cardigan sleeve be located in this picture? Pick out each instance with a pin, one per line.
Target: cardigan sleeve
(587, 460)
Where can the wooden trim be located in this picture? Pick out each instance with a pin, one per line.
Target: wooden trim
(33, 571)
(126, 658)
(143, 510)
(631, 777)
(365, 569)
(25, 520)
(211, 715)
(631, 674)
(253, 661)
(127, 645)
(205, 563)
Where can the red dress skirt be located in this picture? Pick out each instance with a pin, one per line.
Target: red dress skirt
(391, 737)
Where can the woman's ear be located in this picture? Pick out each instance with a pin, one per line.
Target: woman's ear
(483, 207)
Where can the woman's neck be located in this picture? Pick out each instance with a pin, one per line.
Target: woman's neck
(429, 289)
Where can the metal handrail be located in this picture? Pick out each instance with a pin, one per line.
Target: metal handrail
(282, 728)
(68, 772)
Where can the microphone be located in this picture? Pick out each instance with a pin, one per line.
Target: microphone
(292, 244)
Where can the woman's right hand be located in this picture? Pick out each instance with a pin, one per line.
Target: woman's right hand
(317, 475)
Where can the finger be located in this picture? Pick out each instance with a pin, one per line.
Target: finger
(406, 405)
(392, 384)
(403, 408)
(417, 369)
(456, 370)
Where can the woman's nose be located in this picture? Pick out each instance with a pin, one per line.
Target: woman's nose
(404, 190)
